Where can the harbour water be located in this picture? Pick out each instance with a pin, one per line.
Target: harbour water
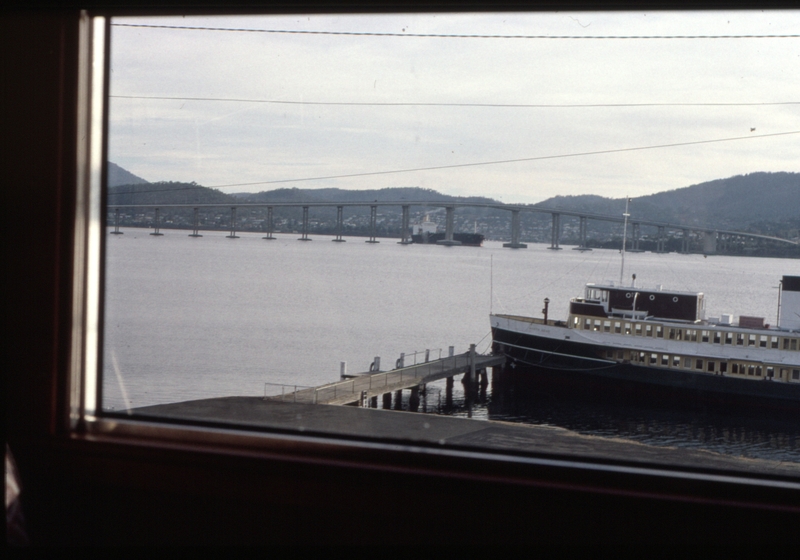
(190, 318)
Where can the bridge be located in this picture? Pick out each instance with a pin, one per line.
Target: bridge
(712, 237)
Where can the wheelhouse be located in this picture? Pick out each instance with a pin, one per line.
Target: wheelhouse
(638, 303)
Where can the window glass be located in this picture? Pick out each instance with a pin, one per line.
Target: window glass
(278, 189)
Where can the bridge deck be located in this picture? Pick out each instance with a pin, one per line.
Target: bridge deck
(379, 383)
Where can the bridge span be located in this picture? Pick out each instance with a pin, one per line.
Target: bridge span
(711, 237)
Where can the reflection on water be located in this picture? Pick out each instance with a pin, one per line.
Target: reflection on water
(516, 397)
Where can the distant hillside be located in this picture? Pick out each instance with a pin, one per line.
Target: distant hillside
(767, 203)
(738, 203)
(167, 192)
(342, 195)
(118, 176)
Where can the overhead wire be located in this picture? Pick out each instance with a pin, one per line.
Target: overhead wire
(506, 161)
(493, 162)
(437, 104)
(450, 35)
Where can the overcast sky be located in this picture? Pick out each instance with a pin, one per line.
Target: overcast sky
(239, 134)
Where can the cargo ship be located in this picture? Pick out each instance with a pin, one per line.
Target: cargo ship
(468, 239)
(656, 337)
(426, 232)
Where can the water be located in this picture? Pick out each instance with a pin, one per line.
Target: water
(190, 318)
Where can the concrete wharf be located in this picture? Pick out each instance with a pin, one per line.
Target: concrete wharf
(360, 388)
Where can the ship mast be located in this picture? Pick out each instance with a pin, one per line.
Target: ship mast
(624, 238)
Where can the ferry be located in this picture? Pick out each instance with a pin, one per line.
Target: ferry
(652, 338)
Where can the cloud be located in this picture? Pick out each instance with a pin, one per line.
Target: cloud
(219, 142)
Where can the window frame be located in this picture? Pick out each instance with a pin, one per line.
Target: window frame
(85, 425)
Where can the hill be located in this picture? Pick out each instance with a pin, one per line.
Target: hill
(766, 203)
(167, 192)
(744, 202)
(118, 176)
(392, 194)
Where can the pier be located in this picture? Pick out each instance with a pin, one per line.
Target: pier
(364, 388)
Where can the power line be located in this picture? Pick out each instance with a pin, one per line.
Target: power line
(161, 190)
(427, 104)
(497, 162)
(451, 36)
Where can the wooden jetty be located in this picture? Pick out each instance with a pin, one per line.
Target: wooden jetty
(364, 386)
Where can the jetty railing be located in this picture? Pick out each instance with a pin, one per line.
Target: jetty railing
(428, 353)
(373, 383)
(286, 395)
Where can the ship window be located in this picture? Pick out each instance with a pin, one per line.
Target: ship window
(653, 359)
(664, 360)
(795, 374)
(723, 367)
(739, 339)
(597, 324)
(785, 343)
(734, 367)
(617, 327)
(691, 335)
(711, 366)
(687, 363)
(717, 337)
(648, 331)
(705, 336)
(607, 326)
(763, 341)
(758, 371)
(698, 364)
(751, 370)
(676, 361)
(642, 357)
(770, 372)
(774, 342)
(587, 324)
(609, 353)
(793, 345)
(638, 329)
(659, 331)
(751, 340)
(728, 338)
(679, 334)
(627, 328)
(672, 334)
(620, 354)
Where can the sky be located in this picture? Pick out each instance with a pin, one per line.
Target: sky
(511, 106)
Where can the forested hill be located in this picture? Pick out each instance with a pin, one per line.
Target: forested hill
(738, 203)
(766, 203)
(395, 194)
(168, 192)
(118, 176)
